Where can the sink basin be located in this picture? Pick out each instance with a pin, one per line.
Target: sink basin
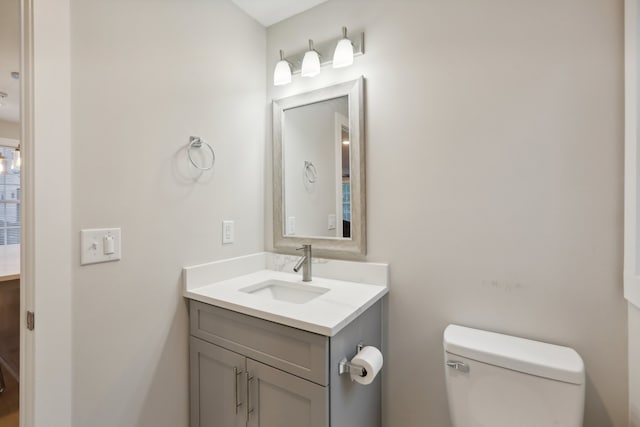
(285, 291)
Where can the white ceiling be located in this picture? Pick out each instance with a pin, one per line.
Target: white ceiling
(9, 58)
(268, 12)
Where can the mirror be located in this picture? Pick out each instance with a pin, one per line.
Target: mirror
(318, 159)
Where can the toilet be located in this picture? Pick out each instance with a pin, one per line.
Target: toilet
(496, 380)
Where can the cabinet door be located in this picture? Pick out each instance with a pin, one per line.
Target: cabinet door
(278, 399)
(217, 398)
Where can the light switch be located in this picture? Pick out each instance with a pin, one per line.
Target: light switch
(228, 232)
(108, 243)
(100, 245)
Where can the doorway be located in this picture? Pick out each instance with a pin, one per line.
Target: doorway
(10, 164)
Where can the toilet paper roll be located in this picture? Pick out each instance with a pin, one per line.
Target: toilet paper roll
(370, 359)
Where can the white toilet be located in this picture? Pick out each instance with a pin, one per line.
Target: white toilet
(496, 380)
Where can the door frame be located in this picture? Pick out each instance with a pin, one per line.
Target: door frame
(47, 250)
(340, 121)
(27, 337)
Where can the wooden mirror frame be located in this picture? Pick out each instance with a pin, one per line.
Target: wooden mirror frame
(324, 246)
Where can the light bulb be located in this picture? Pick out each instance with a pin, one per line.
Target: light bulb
(310, 62)
(282, 73)
(343, 55)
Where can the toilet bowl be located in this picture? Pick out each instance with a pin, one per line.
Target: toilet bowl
(496, 380)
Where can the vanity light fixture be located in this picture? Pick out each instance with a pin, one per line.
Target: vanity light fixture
(17, 161)
(310, 62)
(343, 55)
(338, 51)
(3, 159)
(282, 73)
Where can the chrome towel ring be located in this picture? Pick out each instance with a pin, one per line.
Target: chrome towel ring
(197, 142)
(310, 172)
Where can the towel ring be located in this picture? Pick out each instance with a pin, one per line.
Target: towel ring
(310, 172)
(197, 142)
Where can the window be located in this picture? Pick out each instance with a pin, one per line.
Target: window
(346, 201)
(9, 199)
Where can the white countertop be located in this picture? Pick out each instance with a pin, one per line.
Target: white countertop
(327, 314)
(9, 262)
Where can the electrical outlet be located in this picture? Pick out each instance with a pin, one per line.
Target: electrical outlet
(331, 222)
(291, 225)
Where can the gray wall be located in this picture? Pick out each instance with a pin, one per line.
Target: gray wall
(9, 130)
(145, 76)
(494, 180)
(634, 369)
(310, 135)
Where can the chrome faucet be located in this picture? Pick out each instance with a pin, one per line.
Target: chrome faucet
(305, 263)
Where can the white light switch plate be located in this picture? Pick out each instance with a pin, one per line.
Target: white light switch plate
(331, 222)
(291, 225)
(92, 245)
(228, 232)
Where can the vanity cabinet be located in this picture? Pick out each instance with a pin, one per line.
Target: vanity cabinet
(280, 399)
(230, 390)
(215, 376)
(246, 371)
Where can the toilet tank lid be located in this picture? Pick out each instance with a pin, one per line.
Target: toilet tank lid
(518, 354)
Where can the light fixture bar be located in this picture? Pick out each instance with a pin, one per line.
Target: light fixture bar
(326, 50)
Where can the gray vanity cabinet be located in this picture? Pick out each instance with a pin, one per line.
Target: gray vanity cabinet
(219, 397)
(279, 399)
(251, 372)
(215, 376)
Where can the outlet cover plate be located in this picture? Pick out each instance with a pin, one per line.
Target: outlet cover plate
(228, 232)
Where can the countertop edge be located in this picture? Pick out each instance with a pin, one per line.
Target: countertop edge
(328, 331)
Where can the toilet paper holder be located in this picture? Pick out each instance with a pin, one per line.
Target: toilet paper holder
(345, 367)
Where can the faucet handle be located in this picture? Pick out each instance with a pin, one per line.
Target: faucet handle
(304, 247)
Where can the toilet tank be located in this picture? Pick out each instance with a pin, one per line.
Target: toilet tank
(496, 380)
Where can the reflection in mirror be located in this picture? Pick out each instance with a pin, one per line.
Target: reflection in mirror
(316, 173)
(318, 167)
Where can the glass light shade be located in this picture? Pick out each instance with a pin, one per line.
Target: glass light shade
(282, 73)
(310, 64)
(343, 55)
(16, 159)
